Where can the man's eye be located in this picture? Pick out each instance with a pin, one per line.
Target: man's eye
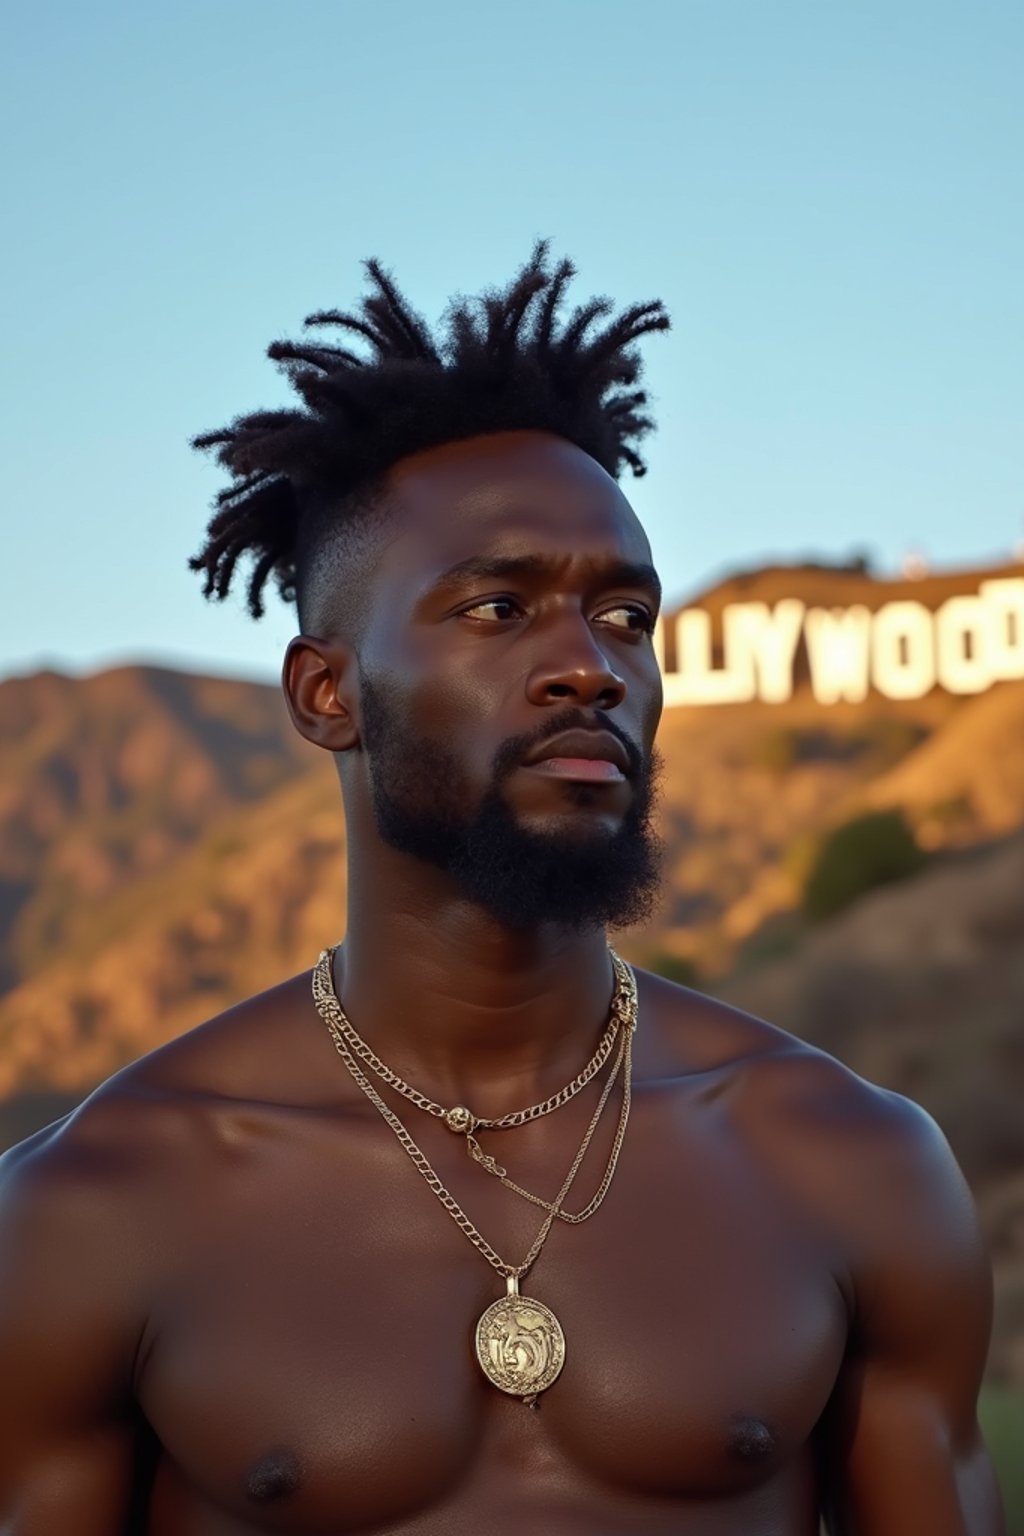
(493, 610)
(632, 616)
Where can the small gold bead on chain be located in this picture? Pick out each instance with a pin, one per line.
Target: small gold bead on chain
(460, 1120)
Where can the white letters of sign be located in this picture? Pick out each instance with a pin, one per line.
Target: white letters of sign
(902, 650)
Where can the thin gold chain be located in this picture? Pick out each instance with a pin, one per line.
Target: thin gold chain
(323, 994)
(620, 1010)
(491, 1166)
(574, 1218)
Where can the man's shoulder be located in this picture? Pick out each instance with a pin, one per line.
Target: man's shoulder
(701, 1034)
(75, 1216)
(857, 1151)
(711, 1035)
(239, 1053)
(90, 1171)
(160, 1110)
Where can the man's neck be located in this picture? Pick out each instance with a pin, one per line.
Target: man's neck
(466, 1010)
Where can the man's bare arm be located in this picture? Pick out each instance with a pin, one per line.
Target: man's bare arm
(903, 1453)
(67, 1341)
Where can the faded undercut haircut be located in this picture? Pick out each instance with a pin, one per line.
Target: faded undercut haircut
(509, 360)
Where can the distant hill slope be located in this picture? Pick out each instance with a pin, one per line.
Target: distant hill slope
(167, 883)
(107, 779)
(968, 779)
(249, 904)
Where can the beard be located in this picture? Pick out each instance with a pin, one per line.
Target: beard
(523, 878)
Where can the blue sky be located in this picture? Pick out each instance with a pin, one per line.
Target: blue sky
(827, 196)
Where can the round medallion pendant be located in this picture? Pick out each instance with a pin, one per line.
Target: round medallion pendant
(520, 1345)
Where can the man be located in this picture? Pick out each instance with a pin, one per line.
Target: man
(698, 1277)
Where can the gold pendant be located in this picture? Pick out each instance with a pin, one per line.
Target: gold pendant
(520, 1344)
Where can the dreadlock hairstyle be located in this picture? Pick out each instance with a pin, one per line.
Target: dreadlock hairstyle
(504, 362)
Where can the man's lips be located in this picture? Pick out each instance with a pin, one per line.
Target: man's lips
(593, 769)
(596, 756)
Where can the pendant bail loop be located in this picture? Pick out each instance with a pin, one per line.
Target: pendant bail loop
(512, 1285)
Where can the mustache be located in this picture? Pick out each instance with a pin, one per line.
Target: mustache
(511, 753)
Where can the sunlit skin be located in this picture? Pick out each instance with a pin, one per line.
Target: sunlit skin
(223, 1285)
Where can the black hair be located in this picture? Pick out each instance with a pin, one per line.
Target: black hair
(503, 362)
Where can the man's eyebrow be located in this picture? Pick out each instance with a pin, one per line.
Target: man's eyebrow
(618, 573)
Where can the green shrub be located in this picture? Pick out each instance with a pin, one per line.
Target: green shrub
(778, 751)
(800, 856)
(956, 811)
(868, 851)
(677, 968)
(777, 937)
(1001, 1413)
(887, 740)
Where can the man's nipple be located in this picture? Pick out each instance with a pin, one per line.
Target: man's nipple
(275, 1476)
(751, 1441)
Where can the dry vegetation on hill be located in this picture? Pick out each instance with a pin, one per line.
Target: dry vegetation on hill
(167, 844)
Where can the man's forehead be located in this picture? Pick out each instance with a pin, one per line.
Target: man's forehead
(510, 496)
(520, 540)
(511, 471)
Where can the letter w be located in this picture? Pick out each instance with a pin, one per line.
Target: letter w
(838, 653)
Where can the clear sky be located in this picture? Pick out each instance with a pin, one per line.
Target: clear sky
(829, 197)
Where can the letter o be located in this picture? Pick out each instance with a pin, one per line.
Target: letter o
(960, 619)
(903, 650)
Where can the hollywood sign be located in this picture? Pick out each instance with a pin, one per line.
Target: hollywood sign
(902, 649)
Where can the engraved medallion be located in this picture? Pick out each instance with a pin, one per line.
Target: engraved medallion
(520, 1344)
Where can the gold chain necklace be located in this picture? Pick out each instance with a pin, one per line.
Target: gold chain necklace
(462, 1120)
(491, 1166)
(520, 1344)
(623, 1011)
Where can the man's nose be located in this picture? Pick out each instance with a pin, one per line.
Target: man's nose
(574, 667)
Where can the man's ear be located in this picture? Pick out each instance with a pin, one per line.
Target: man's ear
(319, 681)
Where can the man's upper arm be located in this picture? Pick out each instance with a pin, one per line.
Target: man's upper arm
(903, 1453)
(67, 1342)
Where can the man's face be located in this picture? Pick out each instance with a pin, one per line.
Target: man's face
(511, 611)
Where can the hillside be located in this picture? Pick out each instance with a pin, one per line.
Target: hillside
(107, 780)
(150, 912)
(254, 901)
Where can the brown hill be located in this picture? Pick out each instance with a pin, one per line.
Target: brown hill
(109, 965)
(968, 779)
(255, 900)
(107, 779)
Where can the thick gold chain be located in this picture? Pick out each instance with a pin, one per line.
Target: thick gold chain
(459, 1119)
(326, 1003)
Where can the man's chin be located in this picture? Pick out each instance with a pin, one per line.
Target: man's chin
(537, 802)
(569, 870)
(572, 833)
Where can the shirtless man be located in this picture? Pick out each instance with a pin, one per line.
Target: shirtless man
(232, 1297)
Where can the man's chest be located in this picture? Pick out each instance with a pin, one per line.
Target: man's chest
(313, 1347)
